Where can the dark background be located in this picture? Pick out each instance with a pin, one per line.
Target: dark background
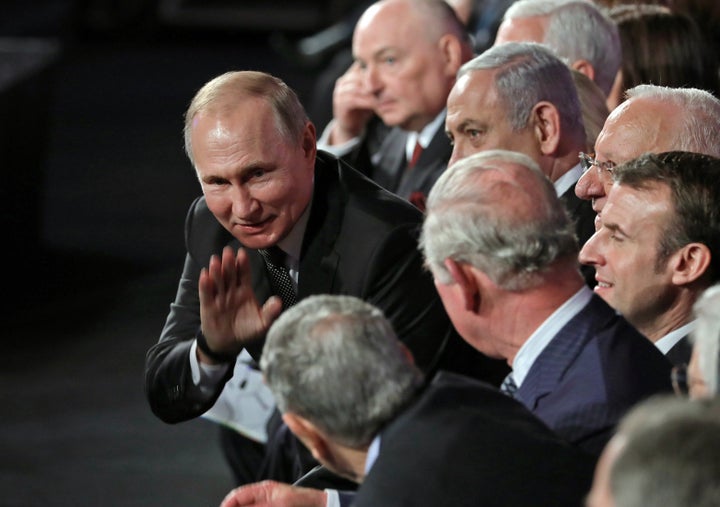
(95, 186)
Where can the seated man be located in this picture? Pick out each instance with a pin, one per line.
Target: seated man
(665, 453)
(658, 247)
(350, 391)
(578, 31)
(652, 119)
(504, 257)
(407, 53)
(520, 96)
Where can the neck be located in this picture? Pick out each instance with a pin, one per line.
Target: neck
(521, 313)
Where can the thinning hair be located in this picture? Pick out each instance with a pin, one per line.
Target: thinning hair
(336, 361)
(577, 30)
(442, 19)
(706, 337)
(668, 455)
(697, 122)
(511, 230)
(694, 183)
(528, 73)
(223, 94)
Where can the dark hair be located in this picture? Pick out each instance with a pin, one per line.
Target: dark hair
(694, 181)
(663, 47)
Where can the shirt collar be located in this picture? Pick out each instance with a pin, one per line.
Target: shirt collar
(292, 243)
(567, 180)
(425, 136)
(544, 334)
(669, 340)
(372, 453)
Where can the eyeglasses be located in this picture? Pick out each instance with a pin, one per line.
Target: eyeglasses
(588, 161)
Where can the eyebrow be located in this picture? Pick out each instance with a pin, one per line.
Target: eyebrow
(613, 227)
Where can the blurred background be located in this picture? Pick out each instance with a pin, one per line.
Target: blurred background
(96, 186)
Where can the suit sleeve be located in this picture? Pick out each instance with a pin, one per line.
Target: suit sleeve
(398, 284)
(168, 381)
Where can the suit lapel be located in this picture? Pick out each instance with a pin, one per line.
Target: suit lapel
(318, 258)
(390, 160)
(432, 160)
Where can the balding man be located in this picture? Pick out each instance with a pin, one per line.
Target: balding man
(504, 257)
(407, 54)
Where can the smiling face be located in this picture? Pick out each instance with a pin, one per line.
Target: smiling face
(256, 182)
(625, 254)
(409, 73)
(478, 121)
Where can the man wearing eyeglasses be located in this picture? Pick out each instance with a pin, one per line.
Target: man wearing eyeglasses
(658, 247)
(652, 119)
(519, 96)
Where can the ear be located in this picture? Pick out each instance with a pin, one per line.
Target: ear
(309, 142)
(690, 263)
(464, 277)
(452, 51)
(584, 67)
(545, 121)
(308, 434)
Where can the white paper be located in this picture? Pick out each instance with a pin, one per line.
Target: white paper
(245, 403)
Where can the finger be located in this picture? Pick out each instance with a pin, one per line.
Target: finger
(215, 274)
(242, 264)
(271, 310)
(206, 286)
(229, 272)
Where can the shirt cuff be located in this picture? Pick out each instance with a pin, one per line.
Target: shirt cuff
(205, 377)
(338, 150)
(333, 498)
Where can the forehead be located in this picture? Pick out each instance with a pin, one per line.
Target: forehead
(629, 205)
(474, 94)
(636, 127)
(388, 25)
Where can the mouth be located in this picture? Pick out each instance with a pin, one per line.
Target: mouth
(255, 226)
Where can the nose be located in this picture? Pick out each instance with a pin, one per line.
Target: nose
(244, 205)
(457, 153)
(590, 252)
(589, 186)
(372, 80)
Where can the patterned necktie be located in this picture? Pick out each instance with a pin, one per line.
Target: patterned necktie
(508, 385)
(280, 280)
(415, 156)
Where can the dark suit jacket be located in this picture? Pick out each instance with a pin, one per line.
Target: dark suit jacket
(582, 214)
(680, 352)
(463, 443)
(360, 240)
(381, 156)
(591, 373)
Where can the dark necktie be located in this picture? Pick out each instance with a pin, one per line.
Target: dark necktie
(415, 156)
(508, 385)
(282, 284)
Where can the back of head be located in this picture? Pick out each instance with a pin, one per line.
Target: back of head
(695, 120)
(496, 211)
(706, 337)
(663, 47)
(694, 182)
(528, 73)
(577, 30)
(221, 95)
(668, 455)
(335, 360)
